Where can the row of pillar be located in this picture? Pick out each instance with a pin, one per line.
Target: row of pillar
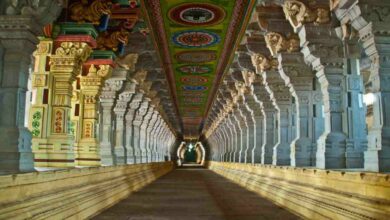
(296, 94)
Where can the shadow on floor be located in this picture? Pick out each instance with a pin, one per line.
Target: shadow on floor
(194, 194)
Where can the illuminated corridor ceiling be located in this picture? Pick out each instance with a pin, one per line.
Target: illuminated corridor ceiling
(196, 42)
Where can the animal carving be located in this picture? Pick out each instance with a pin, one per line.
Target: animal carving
(111, 41)
(82, 11)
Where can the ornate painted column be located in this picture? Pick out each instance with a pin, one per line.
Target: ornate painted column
(107, 101)
(19, 28)
(55, 147)
(149, 128)
(42, 85)
(88, 149)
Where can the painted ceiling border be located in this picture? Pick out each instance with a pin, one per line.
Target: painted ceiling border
(161, 37)
(232, 44)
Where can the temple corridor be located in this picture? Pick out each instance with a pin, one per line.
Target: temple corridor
(108, 109)
(194, 194)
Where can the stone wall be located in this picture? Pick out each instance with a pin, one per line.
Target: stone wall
(312, 193)
(73, 193)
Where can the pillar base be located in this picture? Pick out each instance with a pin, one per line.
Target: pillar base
(377, 160)
(301, 153)
(121, 155)
(281, 154)
(106, 155)
(15, 150)
(87, 153)
(53, 152)
(331, 151)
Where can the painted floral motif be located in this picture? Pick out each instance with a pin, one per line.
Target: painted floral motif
(195, 39)
(197, 14)
(58, 121)
(195, 88)
(194, 69)
(36, 123)
(200, 56)
(194, 80)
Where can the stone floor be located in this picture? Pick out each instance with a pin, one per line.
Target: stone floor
(189, 194)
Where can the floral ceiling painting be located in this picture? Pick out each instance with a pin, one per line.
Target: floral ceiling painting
(196, 40)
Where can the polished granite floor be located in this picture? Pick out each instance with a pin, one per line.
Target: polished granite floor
(189, 194)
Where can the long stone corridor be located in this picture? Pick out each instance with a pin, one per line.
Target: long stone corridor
(189, 194)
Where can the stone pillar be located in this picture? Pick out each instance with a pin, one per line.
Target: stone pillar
(55, 148)
(234, 134)
(324, 52)
(251, 133)
(18, 39)
(299, 79)
(257, 118)
(130, 115)
(143, 134)
(269, 121)
(152, 138)
(369, 18)
(239, 135)
(282, 99)
(152, 123)
(119, 148)
(107, 101)
(157, 140)
(120, 110)
(355, 111)
(139, 117)
(88, 149)
(225, 145)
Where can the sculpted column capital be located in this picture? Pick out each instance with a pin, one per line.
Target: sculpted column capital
(128, 62)
(263, 63)
(297, 13)
(277, 43)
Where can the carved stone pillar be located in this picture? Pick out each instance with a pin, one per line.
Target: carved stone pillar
(269, 120)
(139, 117)
(149, 128)
(130, 115)
(370, 18)
(324, 52)
(156, 144)
(55, 148)
(143, 133)
(19, 29)
(107, 101)
(355, 109)
(256, 110)
(233, 136)
(120, 109)
(299, 79)
(88, 149)
(152, 136)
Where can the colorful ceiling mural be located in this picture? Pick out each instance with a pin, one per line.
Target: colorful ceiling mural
(196, 41)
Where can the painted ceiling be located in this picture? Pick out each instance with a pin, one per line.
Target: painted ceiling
(196, 41)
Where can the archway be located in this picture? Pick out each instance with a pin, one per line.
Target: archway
(190, 153)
